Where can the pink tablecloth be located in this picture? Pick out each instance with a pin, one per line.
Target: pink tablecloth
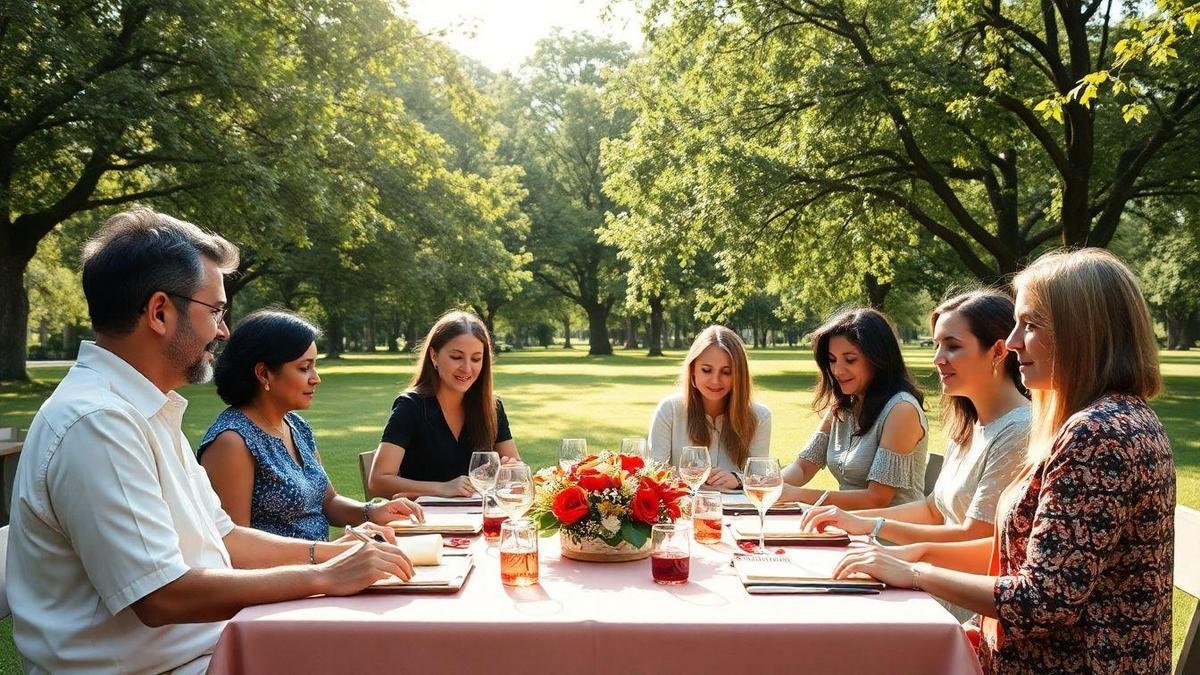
(601, 618)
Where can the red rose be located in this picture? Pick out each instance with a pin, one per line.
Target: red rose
(631, 463)
(570, 505)
(594, 481)
(644, 506)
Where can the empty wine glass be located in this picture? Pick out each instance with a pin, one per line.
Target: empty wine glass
(571, 452)
(762, 482)
(514, 489)
(633, 446)
(482, 471)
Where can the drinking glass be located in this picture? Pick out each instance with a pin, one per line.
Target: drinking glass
(694, 466)
(518, 553)
(514, 489)
(493, 516)
(633, 446)
(482, 470)
(571, 452)
(670, 553)
(706, 517)
(762, 482)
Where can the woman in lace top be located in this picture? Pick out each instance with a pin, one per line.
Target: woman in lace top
(1077, 578)
(986, 410)
(874, 434)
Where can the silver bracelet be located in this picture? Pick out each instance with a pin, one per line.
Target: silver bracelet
(312, 553)
(366, 512)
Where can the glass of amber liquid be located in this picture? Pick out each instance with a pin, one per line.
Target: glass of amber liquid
(493, 515)
(518, 553)
(670, 553)
(706, 517)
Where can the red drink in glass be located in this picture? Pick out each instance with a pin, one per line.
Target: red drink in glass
(491, 526)
(707, 529)
(518, 568)
(670, 567)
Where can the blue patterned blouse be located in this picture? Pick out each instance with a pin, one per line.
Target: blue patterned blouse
(288, 497)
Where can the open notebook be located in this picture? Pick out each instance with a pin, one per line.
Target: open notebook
(441, 523)
(787, 532)
(778, 573)
(737, 504)
(430, 500)
(447, 576)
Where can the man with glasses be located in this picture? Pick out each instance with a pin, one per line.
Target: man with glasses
(120, 558)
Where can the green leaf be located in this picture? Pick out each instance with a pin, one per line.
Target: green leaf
(635, 533)
(1134, 111)
(1089, 93)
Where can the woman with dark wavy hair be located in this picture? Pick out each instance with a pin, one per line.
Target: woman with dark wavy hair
(986, 410)
(260, 454)
(874, 434)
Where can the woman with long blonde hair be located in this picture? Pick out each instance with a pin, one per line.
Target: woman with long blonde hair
(448, 411)
(713, 408)
(1078, 575)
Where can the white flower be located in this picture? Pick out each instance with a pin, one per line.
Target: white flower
(611, 523)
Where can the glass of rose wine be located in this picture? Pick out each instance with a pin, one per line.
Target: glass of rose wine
(762, 482)
(518, 553)
(707, 516)
(571, 452)
(694, 466)
(670, 553)
(493, 516)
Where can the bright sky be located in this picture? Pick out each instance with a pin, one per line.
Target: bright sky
(502, 33)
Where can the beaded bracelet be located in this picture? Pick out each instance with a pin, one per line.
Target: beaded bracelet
(312, 553)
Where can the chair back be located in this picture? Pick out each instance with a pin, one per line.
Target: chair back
(365, 460)
(4, 608)
(1187, 579)
(933, 469)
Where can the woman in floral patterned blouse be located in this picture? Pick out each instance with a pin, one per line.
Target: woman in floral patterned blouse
(1078, 577)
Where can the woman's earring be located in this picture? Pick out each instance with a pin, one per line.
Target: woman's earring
(267, 386)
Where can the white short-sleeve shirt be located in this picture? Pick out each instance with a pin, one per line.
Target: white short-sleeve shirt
(109, 504)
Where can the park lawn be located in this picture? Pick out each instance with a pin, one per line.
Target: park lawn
(552, 394)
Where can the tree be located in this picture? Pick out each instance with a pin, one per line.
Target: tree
(778, 126)
(106, 104)
(557, 121)
(1168, 244)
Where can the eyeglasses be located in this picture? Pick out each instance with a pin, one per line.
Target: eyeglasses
(218, 313)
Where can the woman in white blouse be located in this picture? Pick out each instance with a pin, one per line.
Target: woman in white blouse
(986, 412)
(713, 409)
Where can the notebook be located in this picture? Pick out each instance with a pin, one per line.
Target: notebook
(736, 504)
(441, 523)
(780, 534)
(784, 572)
(445, 577)
(430, 500)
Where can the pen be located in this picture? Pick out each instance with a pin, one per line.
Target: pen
(362, 537)
(821, 499)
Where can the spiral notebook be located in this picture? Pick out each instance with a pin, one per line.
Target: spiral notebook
(779, 573)
(445, 577)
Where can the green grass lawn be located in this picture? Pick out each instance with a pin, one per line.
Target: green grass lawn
(554, 394)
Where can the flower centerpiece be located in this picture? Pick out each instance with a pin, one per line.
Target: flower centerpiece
(604, 506)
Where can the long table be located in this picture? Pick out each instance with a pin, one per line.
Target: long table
(601, 618)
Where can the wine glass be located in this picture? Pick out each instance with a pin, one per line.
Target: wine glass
(514, 489)
(694, 466)
(482, 471)
(571, 452)
(763, 483)
(633, 446)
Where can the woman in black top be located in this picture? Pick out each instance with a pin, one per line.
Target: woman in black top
(447, 412)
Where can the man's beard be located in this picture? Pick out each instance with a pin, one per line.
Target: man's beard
(182, 352)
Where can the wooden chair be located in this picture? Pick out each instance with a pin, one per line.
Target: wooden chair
(933, 469)
(5, 610)
(1187, 579)
(365, 460)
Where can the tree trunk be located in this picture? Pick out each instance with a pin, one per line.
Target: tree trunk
(335, 337)
(14, 311)
(369, 332)
(678, 343)
(876, 292)
(410, 336)
(655, 339)
(567, 332)
(598, 343)
(631, 341)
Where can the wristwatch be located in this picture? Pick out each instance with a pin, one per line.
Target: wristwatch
(875, 530)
